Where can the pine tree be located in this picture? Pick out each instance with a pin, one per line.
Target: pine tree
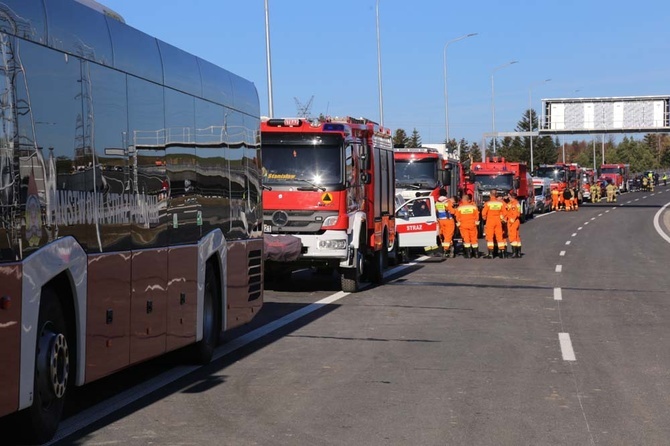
(415, 139)
(400, 138)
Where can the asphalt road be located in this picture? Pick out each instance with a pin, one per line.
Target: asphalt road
(569, 345)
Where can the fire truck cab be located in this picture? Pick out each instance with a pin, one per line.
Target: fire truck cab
(329, 192)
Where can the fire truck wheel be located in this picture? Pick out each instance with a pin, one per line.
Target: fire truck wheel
(52, 371)
(350, 278)
(211, 325)
(377, 273)
(393, 252)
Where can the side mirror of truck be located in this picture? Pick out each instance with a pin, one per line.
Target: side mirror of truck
(365, 178)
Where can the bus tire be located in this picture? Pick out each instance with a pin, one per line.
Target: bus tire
(350, 278)
(203, 350)
(40, 421)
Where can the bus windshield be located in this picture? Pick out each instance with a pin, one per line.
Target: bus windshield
(422, 173)
(299, 164)
(554, 173)
(489, 182)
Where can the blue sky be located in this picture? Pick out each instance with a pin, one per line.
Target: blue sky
(329, 49)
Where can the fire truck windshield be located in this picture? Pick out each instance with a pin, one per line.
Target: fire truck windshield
(489, 182)
(554, 173)
(421, 173)
(610, 170)
(300, 164)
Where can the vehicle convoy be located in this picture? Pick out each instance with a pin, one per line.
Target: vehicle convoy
(498, 174)
(130, 226)
(329, 198)
(617, 174)
(422, 171)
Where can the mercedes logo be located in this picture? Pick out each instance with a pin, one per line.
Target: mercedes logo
(280, 218)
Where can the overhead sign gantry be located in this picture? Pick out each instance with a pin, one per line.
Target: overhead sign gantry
(628, 114)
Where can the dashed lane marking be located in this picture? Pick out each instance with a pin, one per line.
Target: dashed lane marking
(586, 223)
(643, 197)
(574, 235)
(607, 211)
(600, 215)
(628, 202)
(568, 242)
(566, 347)
(637, 199)
(593, 218)
(558, 295)
(580, 228)
(562, 254)
(559, 268)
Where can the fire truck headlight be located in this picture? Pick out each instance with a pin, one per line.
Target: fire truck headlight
(333, 244)
(330, 221)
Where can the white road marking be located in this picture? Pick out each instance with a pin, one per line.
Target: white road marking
(568, 242)
(628, 202)
(544, 215)
(574, 235)
(657, 224)
(643, 197)
(559, 268)
(614, 208)
(654, 194)
(580, 228)
(637, 199)
(566, 347)
(600, 215)
(119, 401)
(593, 218)
(558, 295)
(586, 223)
(562, 253)
(607, 211)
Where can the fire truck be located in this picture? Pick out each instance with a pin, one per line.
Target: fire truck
(498, 174)
(328, 197)
(617, 174)
(562, 175)
(422, 171)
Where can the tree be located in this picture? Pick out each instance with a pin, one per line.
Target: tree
(475, 152)
(415, 139)
(400, 138)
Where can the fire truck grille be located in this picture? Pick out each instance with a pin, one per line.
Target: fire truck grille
(298, 221)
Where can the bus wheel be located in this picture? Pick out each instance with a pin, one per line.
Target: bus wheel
(203, 350)
(350, 278)
(52, 371)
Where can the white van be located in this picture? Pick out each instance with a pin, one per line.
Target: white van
(542, 188)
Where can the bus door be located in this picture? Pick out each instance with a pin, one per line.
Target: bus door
(416, 223)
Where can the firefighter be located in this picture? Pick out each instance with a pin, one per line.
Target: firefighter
(610, 192)
(494, 215)
(567, 199)
(554, 198)
(574, 198)
(595, 189)
(445, 217)
(467, 220)
(665, 179)
(513, 212)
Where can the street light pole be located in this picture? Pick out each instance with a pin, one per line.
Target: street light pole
(493, 103)
(446, 101)
(530, 118)
(268, 59)
(379, 69)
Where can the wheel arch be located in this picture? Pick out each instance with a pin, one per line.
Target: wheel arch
(61, 264)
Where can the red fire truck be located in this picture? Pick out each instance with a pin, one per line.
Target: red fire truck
(498, 174)
(329, 186)
(422, 171)
(617, 174)
(562, 175)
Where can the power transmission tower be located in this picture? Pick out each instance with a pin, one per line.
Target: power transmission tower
(304, 110)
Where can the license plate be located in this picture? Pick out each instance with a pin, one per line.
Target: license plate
(267, 228)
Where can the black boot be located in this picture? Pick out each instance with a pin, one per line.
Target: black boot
(489, 255)
(466, 252)
(518, 252)
(502, 253)
(475, 252)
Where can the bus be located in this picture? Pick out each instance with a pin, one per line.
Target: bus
(130, 203)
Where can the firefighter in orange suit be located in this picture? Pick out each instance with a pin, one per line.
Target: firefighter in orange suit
(554, 198)
(494, 215)
(467, 220)
(513, 212)
(445, 217)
